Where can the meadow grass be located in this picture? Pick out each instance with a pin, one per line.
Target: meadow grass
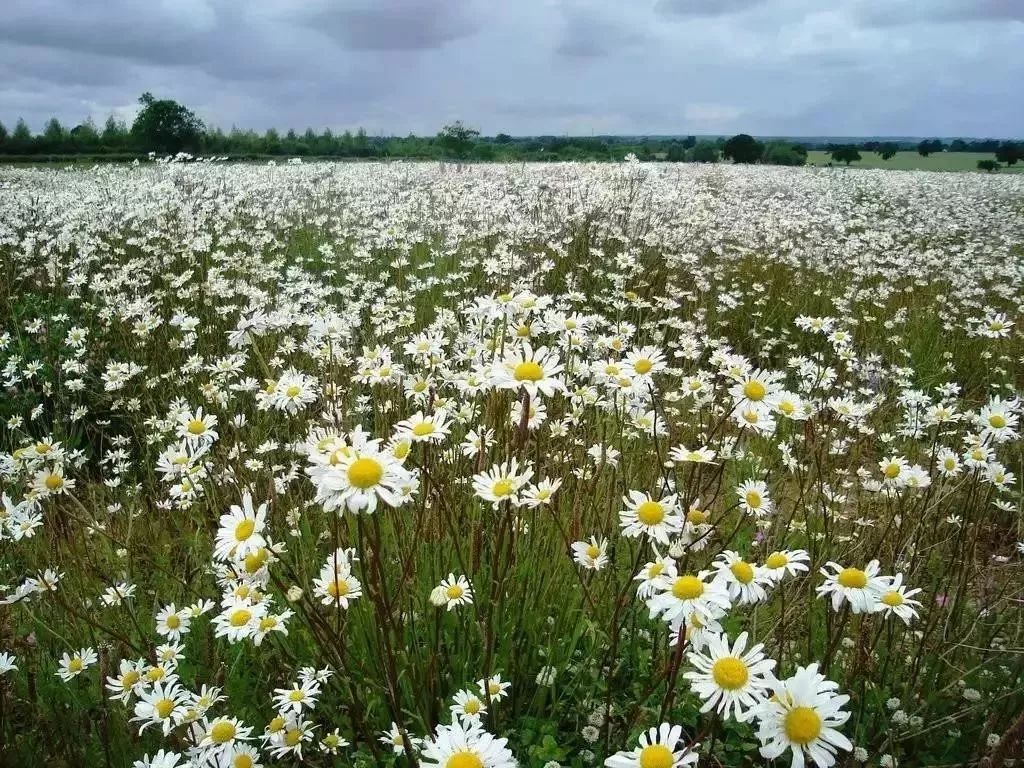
(913, 161)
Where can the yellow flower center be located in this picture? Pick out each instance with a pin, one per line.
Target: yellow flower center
(852, 578)
(730, 673)
(293, 391)
(743, 572)
(996, 421)
(196, 427)
(42, 447)
(753, 499)
(687, 588)
(493, 688)
(650, 513)
(471, 707)
(276, 724)
(292, 737)
(76, 664)
(241, 760)
(155, 674)
(163, 708)
(787, 407)
(892, 598)
(173, 621)
(593, 551)
(655, 570)
(401, 449)
(267, 623)
(802, 725)
(129, 680)
(423, 429)
(892, 470)
(464, 760)
(696, 517)
(240, 617)
(454, 592)
(502, 488)
(528, 370)
(656, 756)
(222, 731)
(245, 529)
(53, 482)
(776, 560)
(255, 560)
(754, 390)
(365, 472)
(296, 695)
(643, 365)
(337, 588)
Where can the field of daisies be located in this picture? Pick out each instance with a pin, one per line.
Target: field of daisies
(553, 465)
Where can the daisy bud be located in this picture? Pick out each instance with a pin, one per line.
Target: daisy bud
(294, 593)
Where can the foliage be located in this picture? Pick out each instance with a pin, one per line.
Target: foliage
(743, 148)
(166, 127)
(845, 153)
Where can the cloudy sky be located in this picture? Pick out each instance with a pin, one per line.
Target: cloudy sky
(790, 67)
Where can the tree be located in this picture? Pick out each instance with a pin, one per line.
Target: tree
(783, 153)
(929, 146)
(1010, 152)
(54, 136)
(887, 150)
(85, 137)
(502, 138)
(689, 142)
(988, 165)
(21, 139)
(457, 140)
(3, 138)
(165, 126)
(743, 148)
(845, 153)
(704, 152)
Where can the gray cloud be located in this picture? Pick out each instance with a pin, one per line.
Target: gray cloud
(529, 67)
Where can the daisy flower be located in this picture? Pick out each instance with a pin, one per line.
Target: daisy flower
(541, 493)
(802, 715)
(745, 582)
(72, 665)
(861, 588)
(530, 370)
(161, 759)
(298, 697)
(659, 747)
(592, 555)
(729, 680)
(468, 706)
(172, 623)
(466, 745)
(240, 529)
(690, 594)
(658, 519)
(457, 591)
(493, 688)
(753, 496)
(645, 362)
(424, 429)
(359, 476)
(502, 483)
(7, 663)
(162, 705)
(896, 600)
(654, 575)
(786, 561)
(393, 738)
(197, 427)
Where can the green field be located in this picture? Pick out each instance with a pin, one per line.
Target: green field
(912, 161)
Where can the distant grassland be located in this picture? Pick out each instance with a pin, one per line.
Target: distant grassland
(912, 161)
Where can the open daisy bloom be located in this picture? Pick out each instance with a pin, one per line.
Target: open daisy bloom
(660, 747)
(802, 715)
(728, 679)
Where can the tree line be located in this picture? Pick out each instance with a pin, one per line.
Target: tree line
(164, 126)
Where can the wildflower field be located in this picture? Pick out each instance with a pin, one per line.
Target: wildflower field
(550, 465)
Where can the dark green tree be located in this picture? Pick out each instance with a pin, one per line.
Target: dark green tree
(1010, 152)
(743, 148)
(783, 153)
(54, 137)
(988, 165)
(930, 146)
(845, 153)
(165, 126)
(4, 138)
(21, 139)
(689, 142)
(456, 140)
(887, 150)
(84, 137)
(114, 137)
(704, 152)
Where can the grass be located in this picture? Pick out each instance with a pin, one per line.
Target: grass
(340, 272)
(913, 161)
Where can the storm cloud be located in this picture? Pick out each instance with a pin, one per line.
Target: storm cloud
(769, 67)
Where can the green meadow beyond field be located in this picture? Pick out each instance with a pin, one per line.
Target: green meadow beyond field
(637, 465)
(914, 161)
